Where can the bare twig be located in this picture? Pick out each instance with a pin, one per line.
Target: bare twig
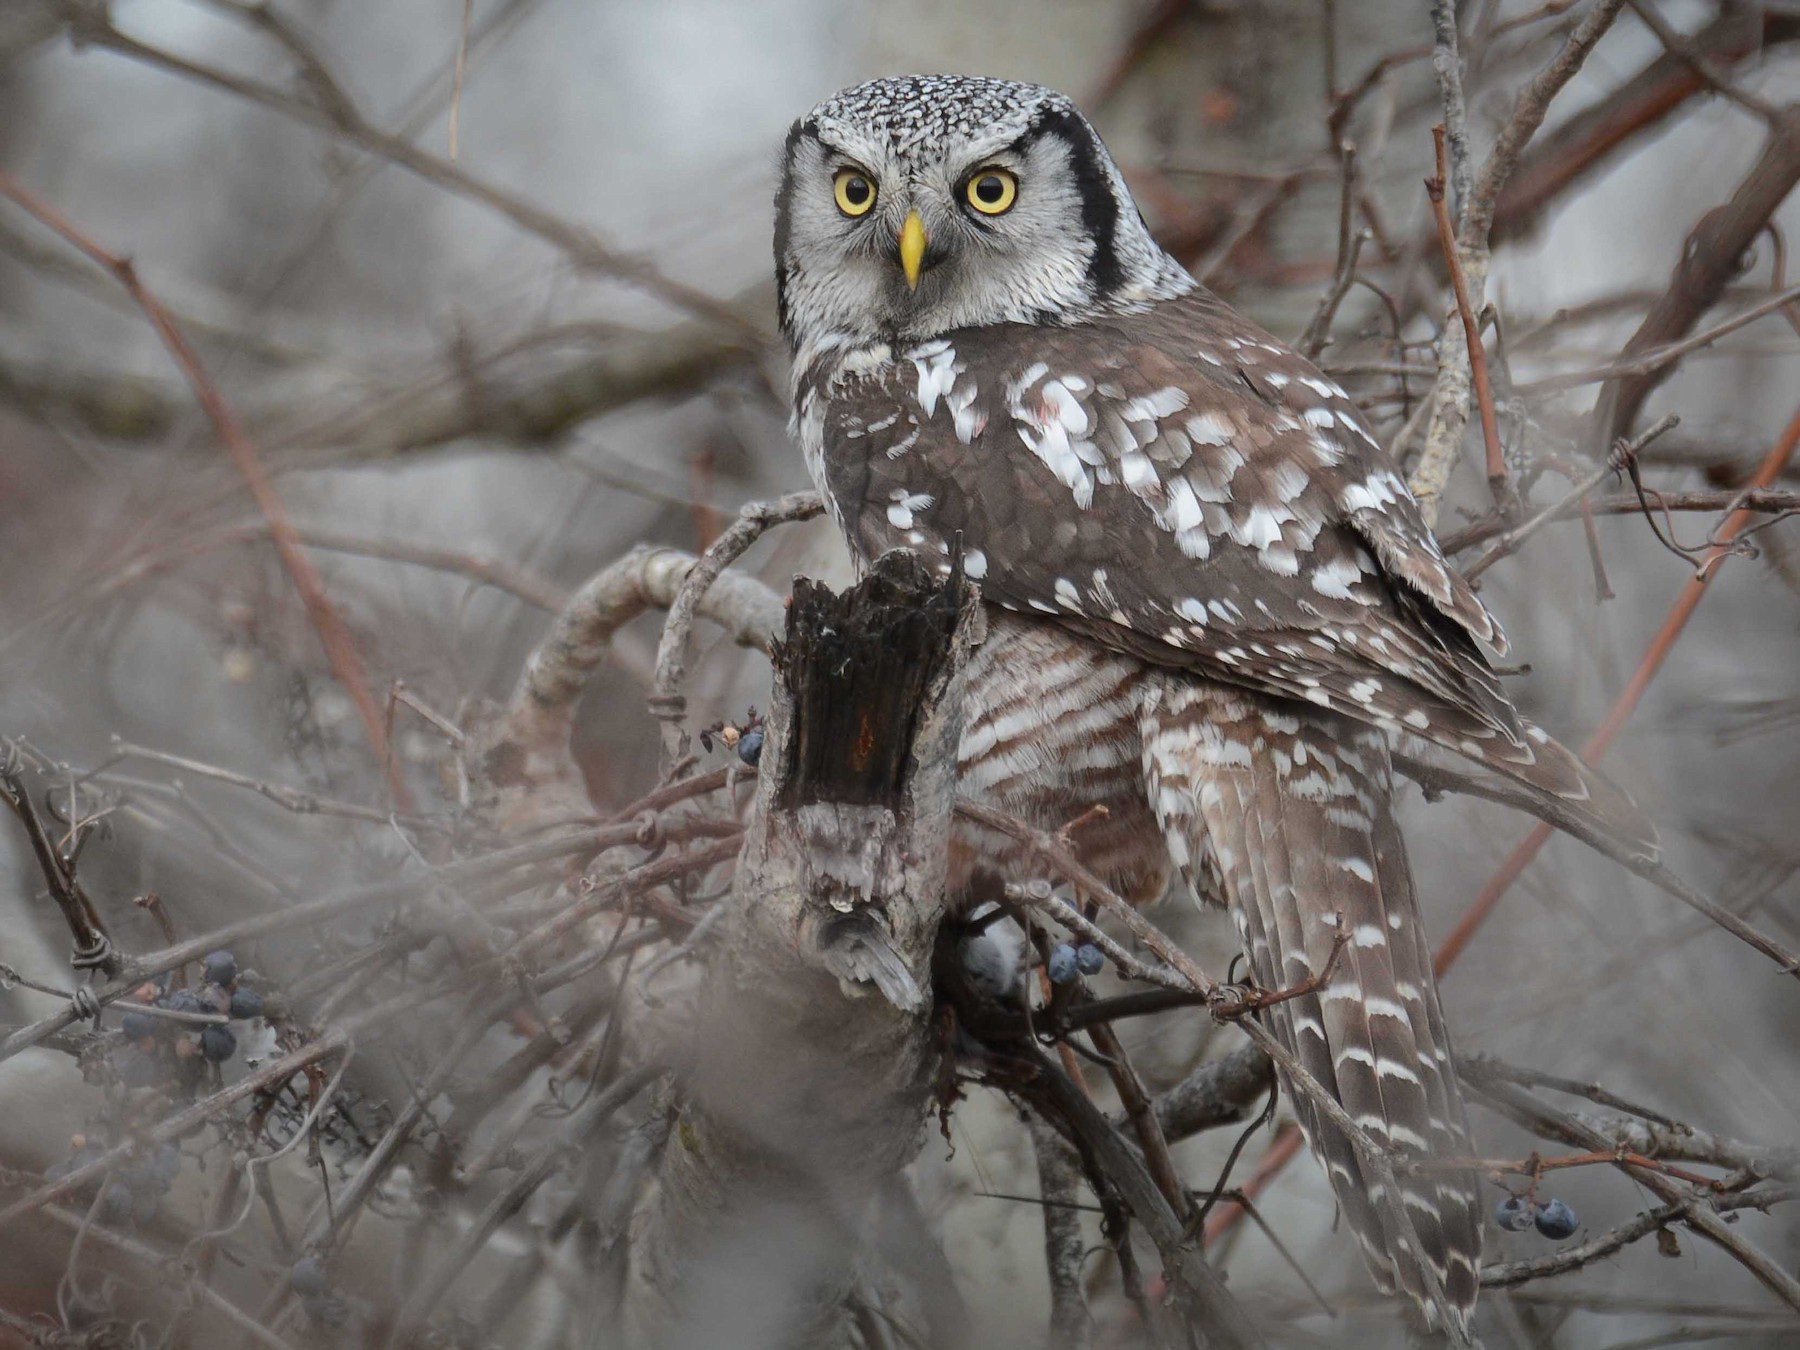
(667, 703)
(1071, 1326)
(1712, 256)
(1471, 328)
(334, 634)
(1620, 712)
(326, 108)
(1450, 400)
(1703, 65)
(1350, 243)
(1577, 496)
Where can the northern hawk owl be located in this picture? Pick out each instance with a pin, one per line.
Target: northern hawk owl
(1214, 604)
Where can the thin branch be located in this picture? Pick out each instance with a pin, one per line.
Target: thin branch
(334, 634)
(1703, 65)
(1712, 256)
(330, 110)
(667, 703)
(1071, 1326)
(1471, 328)
(1596, 746)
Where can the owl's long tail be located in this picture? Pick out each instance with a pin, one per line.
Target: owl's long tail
(1284, 811)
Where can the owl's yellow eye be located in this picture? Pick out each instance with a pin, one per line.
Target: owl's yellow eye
(992, 191)
(854, 191)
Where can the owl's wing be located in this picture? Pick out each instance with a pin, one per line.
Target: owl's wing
(1178, 485)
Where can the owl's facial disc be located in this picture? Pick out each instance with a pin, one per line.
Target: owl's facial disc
(916, 206)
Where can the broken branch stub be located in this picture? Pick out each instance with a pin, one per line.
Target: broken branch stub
(809, 1074)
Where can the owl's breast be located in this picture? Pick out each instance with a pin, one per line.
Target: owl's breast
(1050, 731)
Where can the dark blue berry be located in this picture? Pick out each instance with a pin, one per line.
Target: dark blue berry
(182, 1001)
(137, 1025)
(116, 1203)
(1513, 1214)
(246, 1003)
(137, 1069)
(221, 967)
(1556, 1220)
(307, 1277)
(144, 1204)
(217, 1043)
(1064, 964)
(1090, 959)
(165, 1164)
(749, 746)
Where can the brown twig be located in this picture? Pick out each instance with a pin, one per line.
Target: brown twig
(334, 634)
(325, 107)
(1711, 257)
(93, 948)
(1576, 498)
(1350, 243)
(1498, 483)
(1596, 745)
(667, 703)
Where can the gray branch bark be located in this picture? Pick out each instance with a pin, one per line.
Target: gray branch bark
(811, 1062)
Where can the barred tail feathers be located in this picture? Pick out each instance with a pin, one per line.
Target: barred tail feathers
(1283, 811)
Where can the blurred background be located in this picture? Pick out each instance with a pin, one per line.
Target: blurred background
(488, 285)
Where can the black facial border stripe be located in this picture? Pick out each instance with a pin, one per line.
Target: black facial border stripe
(1099, 207)
(784, 225)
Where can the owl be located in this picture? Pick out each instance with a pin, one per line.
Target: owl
(1214, 607)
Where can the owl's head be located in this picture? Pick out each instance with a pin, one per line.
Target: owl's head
(915, 205)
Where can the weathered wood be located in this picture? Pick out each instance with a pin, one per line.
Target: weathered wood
(810, 1069)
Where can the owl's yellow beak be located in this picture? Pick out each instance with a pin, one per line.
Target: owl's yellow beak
(912, 248)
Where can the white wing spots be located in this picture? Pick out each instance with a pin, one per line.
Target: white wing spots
(974, 564)
(1103, 590)
(1066, 594)
(1369, 935)
(1261, 527)
(1379, 489)
(1210, 428)
(905, 443)
(1280, 559)
(1335, 577)
(1055, 426)
(1139, 475)
(1364, 690)
(1327, 450)
(1289, 480)
(1052, 446)
(1323, 388)
(970, 421)
(1156, 406)
(1192, 610)
(1357, 867)
(904, 504)
(1277, 380)
(883, 423)
(1319, 417)
(1065, 406)
(1225, 612)
(937, 366)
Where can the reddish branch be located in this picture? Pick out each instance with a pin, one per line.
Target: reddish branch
(1623, 706)
(334, 634)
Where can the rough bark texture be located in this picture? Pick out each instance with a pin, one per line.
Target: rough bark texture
(812, 1061)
